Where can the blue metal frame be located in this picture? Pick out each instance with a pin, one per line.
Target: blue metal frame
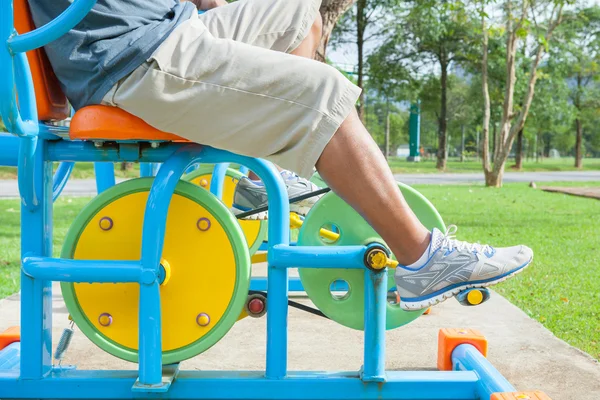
(37, 378)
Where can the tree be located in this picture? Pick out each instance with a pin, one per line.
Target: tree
(331, 10)
(551, 114)
(578, 60)
(519, 24)
(366, 21)
(431, 35)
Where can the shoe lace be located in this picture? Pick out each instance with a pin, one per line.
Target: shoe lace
(450, 243)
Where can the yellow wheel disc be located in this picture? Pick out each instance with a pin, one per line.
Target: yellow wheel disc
(205, 270)
(255, 231)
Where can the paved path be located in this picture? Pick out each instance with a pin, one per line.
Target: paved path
(87, 187)
(592, 193)
(449, 178)
(522, 349)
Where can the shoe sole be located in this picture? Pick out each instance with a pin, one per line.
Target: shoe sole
(424, 304)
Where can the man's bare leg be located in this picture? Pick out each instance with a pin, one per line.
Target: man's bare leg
(354, 167)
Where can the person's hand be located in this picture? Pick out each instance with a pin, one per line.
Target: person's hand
(204, 5)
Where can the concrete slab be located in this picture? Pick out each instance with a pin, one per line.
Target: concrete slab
(522, 349)
(590, 192)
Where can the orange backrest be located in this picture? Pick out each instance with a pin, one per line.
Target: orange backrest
(51, 101)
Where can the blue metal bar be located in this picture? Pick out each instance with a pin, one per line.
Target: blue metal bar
(63, 150)
(153, 236)
(351, 257)
(61, 177)
(26, 168)
(9, 156)
(146, 170)
(217, 181)
(156, 168)
(279, 234)
(28, 129)
(53, 29)
(244, 170)
(466, 357)
(36, 294)
(65, 270)
(15, 75)
(105, 176)
(150, 338)
(247, 385)
(375, 313)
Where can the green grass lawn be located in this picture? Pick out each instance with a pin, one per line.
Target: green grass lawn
(561, 289)
(400, 165)
(82, 170)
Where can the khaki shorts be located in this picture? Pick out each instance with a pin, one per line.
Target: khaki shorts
(223, 79)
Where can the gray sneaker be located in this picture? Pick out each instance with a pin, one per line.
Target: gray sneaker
(454, 266)
(250, 195)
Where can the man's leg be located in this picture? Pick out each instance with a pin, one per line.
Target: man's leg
(355, 169)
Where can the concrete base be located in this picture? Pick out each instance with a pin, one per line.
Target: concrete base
(413, 158)
(523, 350)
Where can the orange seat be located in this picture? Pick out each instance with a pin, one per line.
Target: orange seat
(50, 100)
(113, 124)
(11, 335)
(89, 123)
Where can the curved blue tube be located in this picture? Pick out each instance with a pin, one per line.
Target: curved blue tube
(61, 177)
(26, 171)
(466, 357)
(217, 182)
(53, 29)
(105, 176)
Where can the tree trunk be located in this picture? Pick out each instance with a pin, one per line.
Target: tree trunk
(462, 144)
(387, 131)
(578, 125)
(360, 44)
(442, 155)
(579, 144)
(331, 10)
(508, 128)
(519, 151)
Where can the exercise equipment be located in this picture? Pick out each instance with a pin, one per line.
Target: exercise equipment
(255, 231)
(157, 270)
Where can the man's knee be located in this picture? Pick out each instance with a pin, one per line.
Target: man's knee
(316, 32)
(317, 27)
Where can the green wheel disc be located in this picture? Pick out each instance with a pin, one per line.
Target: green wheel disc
(255, 231)
(333, 213)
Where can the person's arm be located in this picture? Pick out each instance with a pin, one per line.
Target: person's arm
(208, 4)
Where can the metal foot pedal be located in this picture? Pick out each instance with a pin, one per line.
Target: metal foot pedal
(473, 297)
